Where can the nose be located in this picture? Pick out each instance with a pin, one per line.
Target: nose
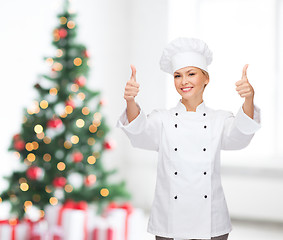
(185, 80)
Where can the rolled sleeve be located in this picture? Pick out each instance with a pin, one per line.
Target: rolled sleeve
(246, 124)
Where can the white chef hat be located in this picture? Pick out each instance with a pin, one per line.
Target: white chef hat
(183, 52)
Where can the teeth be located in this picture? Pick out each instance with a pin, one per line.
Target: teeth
(186, 89)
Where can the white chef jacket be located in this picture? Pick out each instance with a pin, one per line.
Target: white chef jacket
(189, 201)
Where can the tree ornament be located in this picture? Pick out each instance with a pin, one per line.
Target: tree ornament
(81, 81)
(19, 145)
(90, 180)
(102, 102)
(70, 103)
(59, 182)
(109, 145)
(77, 157)
(86, 53)
(34, 173)
(62, 32)
(54, 123)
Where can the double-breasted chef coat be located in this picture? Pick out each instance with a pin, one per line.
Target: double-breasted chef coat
(189, 202)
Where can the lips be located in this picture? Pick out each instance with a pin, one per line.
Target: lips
(186, 89)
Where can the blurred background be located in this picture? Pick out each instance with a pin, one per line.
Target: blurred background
(124, 32)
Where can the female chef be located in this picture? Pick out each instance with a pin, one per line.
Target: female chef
(189, 201)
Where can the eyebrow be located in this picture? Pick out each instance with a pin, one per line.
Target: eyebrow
(186, 71)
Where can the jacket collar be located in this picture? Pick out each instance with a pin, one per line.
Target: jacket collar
(181, 107)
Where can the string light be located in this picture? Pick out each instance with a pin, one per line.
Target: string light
(91, 160)
(31, 157)
(61, 166)
(50, 61)
(80, 123)
(35, 145)
(47, 157)
(28, 204)
(75, 87)
(29, 146)
(57, 66)
(63, 115)
(91, 141)
(67, 144)
(92, 128)
(41, 213)
(0, 200)
(75, 139)
(47, 140)
(27, 162)
(78, 61)
(71, 24)
(24, 187)
(68, 109)
(13, 222)
(53, 91)
(44, 104)
(36, 197)
(48, 189)
(38, 128)
(17, 154)
(81, 96)
(22, 180)
(40, 135)
(68, 188)
(59, 53)
(53, 201)
(104, 192)
(85, 111)
(63, 20)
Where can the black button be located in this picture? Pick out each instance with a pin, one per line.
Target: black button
(176, 114)
(176, 125)
(204, 173)
(204, 126)
(205, 196)
(175, 149)
(175, 197)
(204, 114)
(175, 173)
(204, 149)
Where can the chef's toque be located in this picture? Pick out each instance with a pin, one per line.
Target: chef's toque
(183, 52)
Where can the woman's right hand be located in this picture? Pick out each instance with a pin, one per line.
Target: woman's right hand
(132, 87)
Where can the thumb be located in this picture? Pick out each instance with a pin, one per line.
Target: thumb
(244, 73)
(134, 71)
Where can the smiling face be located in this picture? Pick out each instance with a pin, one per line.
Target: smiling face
(190, 82)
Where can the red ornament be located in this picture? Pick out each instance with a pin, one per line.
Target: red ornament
(34, 173)
(109, 145)
(19, 145)
(77, 157)
(17, 137)
(70, 103)
(102, 102)
(86, 54)
(80, 81)
(90, 180)
(54, 123)
(59, 182)
(62, 32)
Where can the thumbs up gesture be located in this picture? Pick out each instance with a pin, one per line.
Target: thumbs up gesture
(132, 87)
(244, 88)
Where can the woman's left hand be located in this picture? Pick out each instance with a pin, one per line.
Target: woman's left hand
(244, 88)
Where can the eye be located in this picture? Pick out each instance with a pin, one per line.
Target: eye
(176, 76)
(192, 74)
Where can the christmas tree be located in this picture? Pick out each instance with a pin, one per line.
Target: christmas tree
(62, 136)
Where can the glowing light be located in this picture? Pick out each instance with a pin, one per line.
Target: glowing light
(53, 201)
(27, 162)
(38, 128)
(59, 53)
(63, 115)
(35, 145)
(22, 180)
(71, 24)
(81, 96)
(18, 155)
(48, 189)
(85, 111)
(28, 204)
(50, 61)
(91, 160)
(68, 109)
(61, 166)
(67, 144)
(47, 140)
(36, 197)
(29, 147)
(63, 20)
(92, 128)
(44, 104)
(53, 91)
(80, 123)
(104, 192)
(97, 116)
(91, 141)
(75, 87)
(40, 135)
(31, 157)
(41, 213)
(57, 66)
(0, 199)
(13, 222)
(47, 157)
(68, 188)
(75, 139)
(96, 122)
(24, 187)
(78, 61)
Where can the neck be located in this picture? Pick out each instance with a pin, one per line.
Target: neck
(191, 105)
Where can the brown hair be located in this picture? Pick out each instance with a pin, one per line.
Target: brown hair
(205, 73)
